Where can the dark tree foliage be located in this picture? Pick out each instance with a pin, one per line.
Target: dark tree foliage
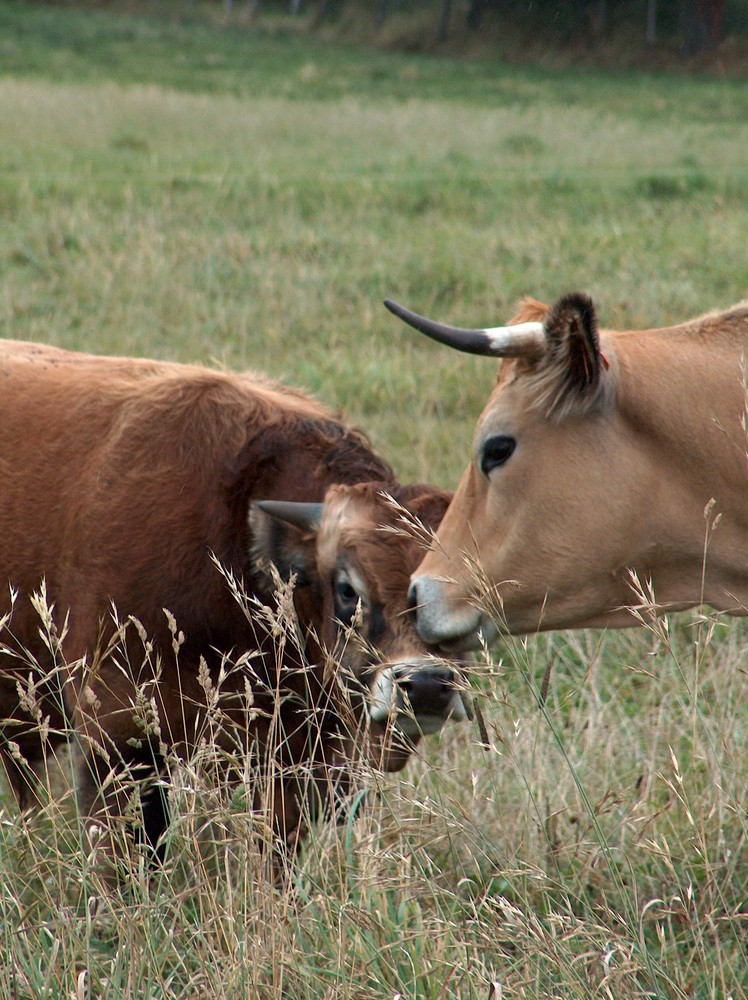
(693, 26)
(700, 23)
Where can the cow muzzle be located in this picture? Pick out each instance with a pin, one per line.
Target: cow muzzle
(452, 625)
(419, 697)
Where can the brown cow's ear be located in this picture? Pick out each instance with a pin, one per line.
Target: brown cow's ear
(428, 503)
(570, 374)
(431, 508)
(275, 541)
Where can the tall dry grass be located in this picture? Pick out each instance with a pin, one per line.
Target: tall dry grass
(172, 189)
(584, 840)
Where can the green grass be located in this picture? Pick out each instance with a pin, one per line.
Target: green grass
(182, 186)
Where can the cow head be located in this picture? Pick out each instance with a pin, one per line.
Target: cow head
(356, 551)
(527, 541)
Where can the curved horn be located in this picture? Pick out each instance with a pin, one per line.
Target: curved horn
(307, 516)
(523, 340)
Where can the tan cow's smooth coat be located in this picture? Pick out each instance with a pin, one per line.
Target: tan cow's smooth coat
(629, 461)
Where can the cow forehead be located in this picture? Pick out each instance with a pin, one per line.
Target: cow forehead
(355, 528)
(344, 522)
(509, 408)
(518, 400)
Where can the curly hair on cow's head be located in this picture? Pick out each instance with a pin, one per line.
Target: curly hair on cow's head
(347, 450)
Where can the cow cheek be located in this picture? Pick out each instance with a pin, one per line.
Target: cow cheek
(387, 749)
(307, 604)
(375, 626)
(446, 557)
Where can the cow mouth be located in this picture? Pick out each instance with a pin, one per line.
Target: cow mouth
(425, 725)
(481, 633)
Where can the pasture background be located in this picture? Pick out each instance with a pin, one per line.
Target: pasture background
(181, 187)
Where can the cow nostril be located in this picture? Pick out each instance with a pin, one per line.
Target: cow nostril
(411, 605)
(428, 691)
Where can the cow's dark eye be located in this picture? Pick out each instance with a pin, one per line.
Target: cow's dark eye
(345, 593)
(346, 598)
(496, 451)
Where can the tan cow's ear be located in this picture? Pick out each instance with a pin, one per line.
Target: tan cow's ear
(529, 310)
(569, 376)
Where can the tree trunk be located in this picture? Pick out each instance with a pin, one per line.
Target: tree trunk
(599, 18)
(651, 22)
(475, 13)
(702, 25)
(322, 12)
(443, 30)
(381, 13)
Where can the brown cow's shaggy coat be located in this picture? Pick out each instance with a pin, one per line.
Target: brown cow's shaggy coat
(124, 483)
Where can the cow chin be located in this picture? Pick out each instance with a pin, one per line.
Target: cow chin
(424, 725)
(418, 697)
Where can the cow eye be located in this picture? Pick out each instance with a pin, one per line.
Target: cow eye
(346, 597)
(345, 592)
(496, 451)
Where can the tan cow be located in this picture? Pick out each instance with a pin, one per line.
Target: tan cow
(599, 456)
(133, 485)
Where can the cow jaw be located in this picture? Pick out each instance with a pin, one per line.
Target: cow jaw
(419, 697)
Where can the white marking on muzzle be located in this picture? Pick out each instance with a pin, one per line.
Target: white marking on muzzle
(386, 702)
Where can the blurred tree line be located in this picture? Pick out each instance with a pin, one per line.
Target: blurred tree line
(701, 21)
(697, 25)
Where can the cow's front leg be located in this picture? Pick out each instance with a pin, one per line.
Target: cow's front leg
(122, 806)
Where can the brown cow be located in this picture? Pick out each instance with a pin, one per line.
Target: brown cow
(369, 538)
(599, 459)
(131, 485)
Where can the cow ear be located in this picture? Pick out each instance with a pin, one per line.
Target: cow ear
(570, 375)
(274, 540)
(529, 310)
(431, 508)
(425, 502)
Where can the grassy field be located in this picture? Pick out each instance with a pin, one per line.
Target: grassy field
(188, 188)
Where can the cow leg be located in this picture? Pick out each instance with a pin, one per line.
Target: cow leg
(24, 778)
(24, 759)
(287, 828)
(32, 726)
(154, 804)
(121, 805)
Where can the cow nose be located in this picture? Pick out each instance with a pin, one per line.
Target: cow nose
(430, 691)
(411, 605)
(441, 621)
